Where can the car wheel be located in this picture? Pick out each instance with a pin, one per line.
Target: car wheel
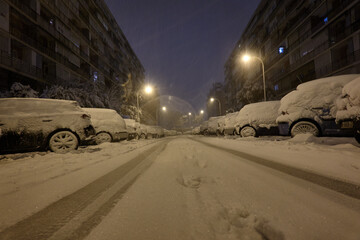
(103, 137)
(63, 142)
(248, 131)
(218, 133)
(303, 127)
(142, 136)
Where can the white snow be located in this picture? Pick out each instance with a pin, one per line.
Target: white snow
(213, 124)
(311, 98)
(130, 125)
(261, 114)
(230, 121)
(193, 191)
(349, 105)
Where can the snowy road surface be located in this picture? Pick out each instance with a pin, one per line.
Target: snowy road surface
(184, 188)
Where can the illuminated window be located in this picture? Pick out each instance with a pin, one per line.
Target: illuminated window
(276, 87)
(281, 50)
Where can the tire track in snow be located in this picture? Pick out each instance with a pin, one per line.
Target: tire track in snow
(346, 188)
(96, 200)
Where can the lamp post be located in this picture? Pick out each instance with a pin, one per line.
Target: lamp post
(148, 90)
(215, 99)
(246, 58)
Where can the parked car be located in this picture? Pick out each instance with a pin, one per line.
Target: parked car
(108, 124)
(159, 132)
(214, 125)
(311, 108)
(142, 131)
(204, 128)
(152, 132)
(258, 119)
(228, 128)
(348, 108)
(35, 123)
(131, 128)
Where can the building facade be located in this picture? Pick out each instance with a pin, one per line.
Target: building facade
(65, 42)
(298, 41)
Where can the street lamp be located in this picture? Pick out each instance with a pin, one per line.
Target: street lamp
(215, 99)
(247, 58)
(148, 90)
(189, 113)
(164, 109)
(201, 111)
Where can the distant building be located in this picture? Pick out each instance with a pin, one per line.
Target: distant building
(64, 42)
(298, 41)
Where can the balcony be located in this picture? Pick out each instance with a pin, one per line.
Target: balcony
(19, 66)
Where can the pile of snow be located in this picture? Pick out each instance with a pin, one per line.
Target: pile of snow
(314, 98)
(107, 120)
(349, 105)
(262, 114)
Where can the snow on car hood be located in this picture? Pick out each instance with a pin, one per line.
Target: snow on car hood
(262, 114)
(349, 105)
(313, 98)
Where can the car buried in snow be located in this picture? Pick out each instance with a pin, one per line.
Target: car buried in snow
(348, 114)
(258, 119)
(228, 128)
(36, 123)
(108, 124)
(311, 108)
(131, 127)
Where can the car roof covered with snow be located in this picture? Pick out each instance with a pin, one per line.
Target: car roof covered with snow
(11, 106)
(319, 93)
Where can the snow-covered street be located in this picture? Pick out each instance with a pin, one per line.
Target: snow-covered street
(185, 187)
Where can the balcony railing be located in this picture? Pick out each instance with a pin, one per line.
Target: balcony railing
(14, 63)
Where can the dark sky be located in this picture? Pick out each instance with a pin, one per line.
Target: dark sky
(183, 44)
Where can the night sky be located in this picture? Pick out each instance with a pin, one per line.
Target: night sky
(183, 44)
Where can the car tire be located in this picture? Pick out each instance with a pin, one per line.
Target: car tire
(304, 127)
(218, 133)
(142, 136)
(248, 131)
(103, 137)
(63, 142)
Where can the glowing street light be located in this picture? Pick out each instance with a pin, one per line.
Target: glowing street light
(148, 90)
(215, 99)
(189, 113)
(164, 109)
(247, 58)
(201, 111)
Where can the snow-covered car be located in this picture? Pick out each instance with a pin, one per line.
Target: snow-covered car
(159, 132)
(348, 114)
(36, 123)
(204, 127)
(214, 125)
(195, 130)
(108, 124)
(312, 108)
(152, 132)
(258, 119)
(131, 127)
(142, 131)
(228, 128)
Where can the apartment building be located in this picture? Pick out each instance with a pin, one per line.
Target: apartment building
(62, 42)
(298, 41)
